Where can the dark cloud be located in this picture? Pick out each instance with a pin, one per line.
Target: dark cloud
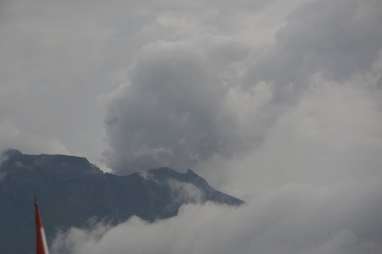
(70, 54)
(333, 40)
(171, 113)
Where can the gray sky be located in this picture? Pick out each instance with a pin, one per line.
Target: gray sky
(277, 102)
(62, 61)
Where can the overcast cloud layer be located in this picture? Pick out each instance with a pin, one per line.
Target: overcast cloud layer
(278, 102)
(187, 101)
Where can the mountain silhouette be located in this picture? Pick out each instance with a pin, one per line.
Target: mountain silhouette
(74, 192)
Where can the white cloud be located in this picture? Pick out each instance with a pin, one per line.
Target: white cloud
(313, 186)
(68, 54)
(293, 219)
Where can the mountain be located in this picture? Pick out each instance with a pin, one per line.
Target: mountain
(74, 192)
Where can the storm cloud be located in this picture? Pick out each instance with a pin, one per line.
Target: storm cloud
(171, 113)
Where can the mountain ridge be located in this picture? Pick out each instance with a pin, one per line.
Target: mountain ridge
(72, 191)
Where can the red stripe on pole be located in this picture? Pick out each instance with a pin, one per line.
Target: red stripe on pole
(40, 237)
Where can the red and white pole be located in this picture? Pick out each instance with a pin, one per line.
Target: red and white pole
(41, 244)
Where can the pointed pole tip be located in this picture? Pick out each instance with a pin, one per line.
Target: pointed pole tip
(35, 200)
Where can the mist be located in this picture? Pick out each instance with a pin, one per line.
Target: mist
(312, 186)
(276, 102)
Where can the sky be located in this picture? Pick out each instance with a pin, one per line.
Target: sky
(278, 102)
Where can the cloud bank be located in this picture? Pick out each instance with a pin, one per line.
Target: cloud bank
(315, 184)
(293, 219)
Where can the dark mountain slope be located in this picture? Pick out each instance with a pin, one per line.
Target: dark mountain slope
(73, 192)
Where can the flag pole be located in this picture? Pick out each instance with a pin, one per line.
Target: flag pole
(41, 244)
